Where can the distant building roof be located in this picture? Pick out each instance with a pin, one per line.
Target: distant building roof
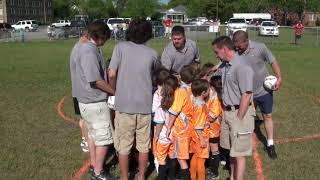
(177, 10)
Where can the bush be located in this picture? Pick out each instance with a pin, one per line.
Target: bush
(318, 22)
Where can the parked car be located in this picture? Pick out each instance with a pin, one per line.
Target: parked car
(236, 24)
(158, 28)
(269, 28)
(75, 29)
(27, 25)
(61, 23)
(115, 22)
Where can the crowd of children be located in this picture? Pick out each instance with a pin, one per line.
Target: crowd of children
(187, 113)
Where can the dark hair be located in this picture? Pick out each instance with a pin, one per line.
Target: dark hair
(199, 86)
(187, 74)
(160, 75)
(216, 83)
(140, 31)
(170, 84)
(240, 36)
(178, 30)
(99, 30)
(204, 70)
(223, 41)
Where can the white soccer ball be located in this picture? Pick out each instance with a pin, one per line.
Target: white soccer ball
(110, 102)
(269, 82)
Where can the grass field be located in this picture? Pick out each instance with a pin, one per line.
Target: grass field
(37, 144)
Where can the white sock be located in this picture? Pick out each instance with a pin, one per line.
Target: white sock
(270, 142)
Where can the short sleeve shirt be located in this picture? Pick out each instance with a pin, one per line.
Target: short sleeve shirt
(174, 59)
(237, 79)
(134, 64)
(73, 58)
(90, 68)
(256, 56)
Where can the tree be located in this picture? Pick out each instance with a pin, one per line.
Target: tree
(140, 8)
(175, 3)
(95, 8)
(62, 9)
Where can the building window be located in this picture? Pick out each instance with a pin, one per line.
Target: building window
(19, 2)
(49, 3)
(312, 17)
(49, 12)
(11, 2)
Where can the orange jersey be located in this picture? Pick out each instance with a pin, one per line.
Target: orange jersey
(201, 122)
(182, 109)
(215, 115)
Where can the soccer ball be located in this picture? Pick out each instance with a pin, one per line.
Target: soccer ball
(110, 102)
(269, 82)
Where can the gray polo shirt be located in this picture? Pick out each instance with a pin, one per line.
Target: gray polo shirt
(134, 64)
(174, 59)
(237, 78)
(89, 67)
(73, 58)
(256, 56)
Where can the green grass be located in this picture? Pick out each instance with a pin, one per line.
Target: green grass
(36, 143)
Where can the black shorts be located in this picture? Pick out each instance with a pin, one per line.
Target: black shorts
(298, 36)
(76, 106)
(214, 140)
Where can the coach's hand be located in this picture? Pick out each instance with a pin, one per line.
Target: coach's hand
(278, 84)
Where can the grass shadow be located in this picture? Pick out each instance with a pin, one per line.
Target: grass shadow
(257, 129)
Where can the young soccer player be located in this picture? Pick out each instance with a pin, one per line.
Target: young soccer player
(215, 115)
(200, 134)
(180, 123)
(162, 143)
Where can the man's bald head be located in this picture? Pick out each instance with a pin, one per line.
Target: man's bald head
(240, 36)
(240, 41)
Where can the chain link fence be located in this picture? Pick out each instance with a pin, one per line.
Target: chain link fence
(310, 37)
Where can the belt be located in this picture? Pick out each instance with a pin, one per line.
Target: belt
(233, 107)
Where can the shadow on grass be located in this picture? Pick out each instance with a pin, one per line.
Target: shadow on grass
(257, 129)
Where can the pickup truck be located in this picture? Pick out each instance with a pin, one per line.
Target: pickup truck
(61, 23)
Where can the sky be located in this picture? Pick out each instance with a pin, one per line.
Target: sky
(164, 1)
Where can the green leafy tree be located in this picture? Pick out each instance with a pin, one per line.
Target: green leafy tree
(62, 9)
(140, 8)
(175, 3)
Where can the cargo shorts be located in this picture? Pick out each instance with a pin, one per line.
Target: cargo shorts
(130, 127)
(97, 119)
(236, 134)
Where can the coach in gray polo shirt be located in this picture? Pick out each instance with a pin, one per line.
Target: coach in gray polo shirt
(257, 55)
(132, 64)
(238, 123)
(91, 91)
(180, 51)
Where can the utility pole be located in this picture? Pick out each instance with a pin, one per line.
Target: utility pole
(44, 11)
(217, 11)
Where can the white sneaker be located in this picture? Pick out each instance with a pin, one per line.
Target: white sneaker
(84, 145)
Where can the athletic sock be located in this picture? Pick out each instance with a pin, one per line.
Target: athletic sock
(270, 142)
(185, 173)
(172, 165)
(162, 175)
(214, 162)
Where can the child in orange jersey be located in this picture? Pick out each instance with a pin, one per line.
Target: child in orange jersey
(161, 142)
(180, 116)
(200, 135)
(215, 115)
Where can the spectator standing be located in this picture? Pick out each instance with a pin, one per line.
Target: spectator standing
(298, 32)
(130, 73)
(180, 51)
(91, 92)
(256, 55)
(238, 123)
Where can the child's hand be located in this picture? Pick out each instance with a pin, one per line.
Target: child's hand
(203, 143)
(168, 133)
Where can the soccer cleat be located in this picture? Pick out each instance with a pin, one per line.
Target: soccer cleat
(271, 151)
(102, 176)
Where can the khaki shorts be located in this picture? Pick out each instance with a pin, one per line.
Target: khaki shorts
(236, 134)
(97, 118)
(127, 126)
